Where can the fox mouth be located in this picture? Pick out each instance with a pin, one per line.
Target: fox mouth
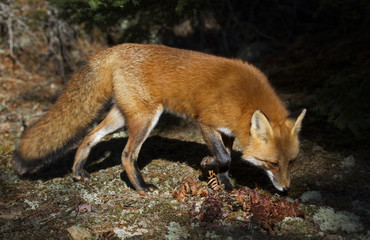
(274, 182)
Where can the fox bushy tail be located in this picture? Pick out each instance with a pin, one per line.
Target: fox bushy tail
(86, 93)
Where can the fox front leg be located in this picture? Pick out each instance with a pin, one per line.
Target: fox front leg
(221, 156)
(211, 162)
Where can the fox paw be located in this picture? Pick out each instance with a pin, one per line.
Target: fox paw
(81, 176)
(225, 181)
(147, 188)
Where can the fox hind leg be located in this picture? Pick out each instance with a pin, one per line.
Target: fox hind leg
(138, 128)
(112, 122)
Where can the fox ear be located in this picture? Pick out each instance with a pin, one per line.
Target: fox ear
(298, 123)
(260, 125)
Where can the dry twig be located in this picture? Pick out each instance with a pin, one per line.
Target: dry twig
(213, 182)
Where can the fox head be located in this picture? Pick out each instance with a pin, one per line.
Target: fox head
(273, 147)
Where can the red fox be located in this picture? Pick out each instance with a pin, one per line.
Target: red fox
(227, 98)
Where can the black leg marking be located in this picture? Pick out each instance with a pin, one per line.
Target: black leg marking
(221, 160)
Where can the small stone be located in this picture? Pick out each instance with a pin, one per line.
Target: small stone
(348, 162)
(311, 196)
(79, 233)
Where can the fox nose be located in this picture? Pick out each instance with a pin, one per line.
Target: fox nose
(285, 189)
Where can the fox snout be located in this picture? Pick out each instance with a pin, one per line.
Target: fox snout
(280, 181)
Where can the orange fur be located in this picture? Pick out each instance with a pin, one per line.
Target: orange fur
(144, 80)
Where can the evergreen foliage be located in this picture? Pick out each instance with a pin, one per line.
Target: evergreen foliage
(345, 100)
(344, 97)
(111, 12)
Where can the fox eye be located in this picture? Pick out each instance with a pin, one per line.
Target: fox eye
(274, 164)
